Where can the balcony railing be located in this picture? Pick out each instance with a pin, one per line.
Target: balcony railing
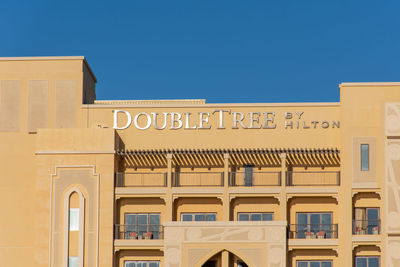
(141, 179)
(198, 179)
(312, 231)
(139, 231)
(255, 179)
(159, 179)
(305, 178)
(366, 227)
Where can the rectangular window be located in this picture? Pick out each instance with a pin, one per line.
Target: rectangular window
(255, 216)
(142, 226)
(315, 225)
(199, 217)
(74, 219)
(366, 221)
(248, 175)
(364, 157)
(373, 261)
(142, 264)
(314, 264)
(73, 261)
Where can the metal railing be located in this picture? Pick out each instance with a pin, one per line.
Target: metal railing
(312, 178)
(138, 231)
(141, 179)
(255, 179)
(197, 179)
(312, 231)
(366, 227)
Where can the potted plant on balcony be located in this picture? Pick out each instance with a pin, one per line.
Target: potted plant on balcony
(321, 235)
(358, 231)
(132, 235)
(148, 235)
(375, 230)
(309, 235)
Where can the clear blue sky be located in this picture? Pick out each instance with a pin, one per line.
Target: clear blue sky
(223, 51)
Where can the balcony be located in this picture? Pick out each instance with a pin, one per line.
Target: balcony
(255, 179)
(312, 231)
(182, 179)
(366, 227)
(138, 232)
(141, 179)
(300, 179)
(308, 178)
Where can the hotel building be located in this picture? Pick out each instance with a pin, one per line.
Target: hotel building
(183, 183)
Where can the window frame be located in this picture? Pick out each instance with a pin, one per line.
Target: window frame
(75, 225)
(141, 261)
(367, 168)
(310, 261)
(251, 213)
(148, 225)
(248, 175)
(367, 257)
(193, 214)
(73, 261)
(369, 223)
(330, 233)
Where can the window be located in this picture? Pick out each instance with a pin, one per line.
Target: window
(367, 261)
(311, 225)
(255, 216)
(241, 264)
(74, 219)
(366, 221)
(143, 225)
(210, 264)
(364, 157)
(314, 264)
(248, 175)
(142, 264)
(73, 261)
(188, 217)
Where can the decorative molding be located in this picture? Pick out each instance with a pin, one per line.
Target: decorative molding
(392, 194)
(52, 177)
(392, 119)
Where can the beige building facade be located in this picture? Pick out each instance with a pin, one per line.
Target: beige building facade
(184, 183)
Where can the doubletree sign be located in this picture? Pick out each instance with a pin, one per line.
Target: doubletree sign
(240, 120)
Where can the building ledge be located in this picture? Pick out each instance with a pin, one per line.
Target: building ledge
(121, 244)
(366, 238)
(362, 84)
(312, 243)
(197, 190)
(255, 190)
(312, 189)
(366, 185)
(140, 191)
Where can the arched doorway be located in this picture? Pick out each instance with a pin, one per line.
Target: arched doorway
(225, 259)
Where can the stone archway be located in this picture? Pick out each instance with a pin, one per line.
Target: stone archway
(232, 257)
(191, 244)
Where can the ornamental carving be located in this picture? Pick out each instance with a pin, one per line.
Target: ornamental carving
(392, 119)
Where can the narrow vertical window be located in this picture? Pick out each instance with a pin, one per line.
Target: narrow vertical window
(248, 175)
(73, 261)
(74, 219)
(364, 157)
